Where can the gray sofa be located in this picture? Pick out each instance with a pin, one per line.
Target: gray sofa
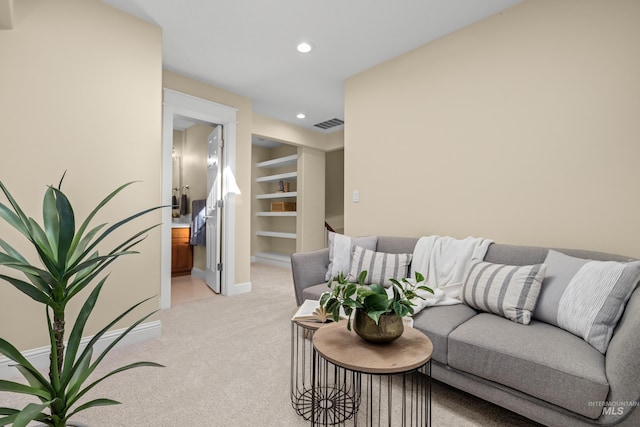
(538, 370)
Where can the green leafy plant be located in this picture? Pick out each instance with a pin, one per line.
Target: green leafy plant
(69, 263)
(373, 299)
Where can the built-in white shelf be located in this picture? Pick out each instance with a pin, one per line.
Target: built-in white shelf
(287, 213)
(276, 234)
(277, 195)
(278, 177)
(280, 162)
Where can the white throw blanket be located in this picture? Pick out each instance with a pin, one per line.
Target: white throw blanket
(444, 262)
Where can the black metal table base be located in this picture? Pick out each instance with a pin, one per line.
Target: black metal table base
(329, 395)
(326, 405)
(394, 400)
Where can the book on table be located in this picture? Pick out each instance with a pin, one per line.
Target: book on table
(310, 311)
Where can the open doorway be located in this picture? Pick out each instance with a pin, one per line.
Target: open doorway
(178, 106)
(191, 162)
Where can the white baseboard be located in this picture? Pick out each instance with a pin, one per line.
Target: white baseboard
(273, 259)
(239, 288)
(39, 357)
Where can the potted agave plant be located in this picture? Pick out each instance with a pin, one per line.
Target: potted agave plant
(377, 313)
(69, 263)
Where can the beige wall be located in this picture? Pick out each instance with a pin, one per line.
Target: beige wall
(334, 190)
(522, 128)
(81, 91)
(310, 200)
(202, 90)
(334, 140)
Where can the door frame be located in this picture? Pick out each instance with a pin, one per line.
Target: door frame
(180, 104)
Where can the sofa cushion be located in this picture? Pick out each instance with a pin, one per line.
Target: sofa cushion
(507, 290)
(380, 266)
(396, 245)
(538, 359)
(341, 250)
(437, 322)
(314, 292)
(586, 297)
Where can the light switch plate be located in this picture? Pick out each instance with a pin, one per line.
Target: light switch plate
(356, 196)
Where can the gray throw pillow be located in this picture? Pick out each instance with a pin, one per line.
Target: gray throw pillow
(560, 270)
(380, 266)
(589, 301)
(507, 290)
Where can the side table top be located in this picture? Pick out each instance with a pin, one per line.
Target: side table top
(346, 349)
(310, 324)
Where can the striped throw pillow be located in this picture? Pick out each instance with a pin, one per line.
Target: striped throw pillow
(380, 266)
(507, 290)
(594, 299)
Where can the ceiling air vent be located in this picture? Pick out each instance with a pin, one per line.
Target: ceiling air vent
(329, 124)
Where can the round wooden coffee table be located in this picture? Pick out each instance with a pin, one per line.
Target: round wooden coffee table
(391, 383)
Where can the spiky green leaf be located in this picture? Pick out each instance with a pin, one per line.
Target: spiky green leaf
(33, 380)
(19, 220)
(114, 372)
(12, 252)
(75, 337)
(50, 217)
(79, 368)
(92, 404)
(79, 248)
(8, 420)
(30, 290)
(99, 335)
(67, 227)
(41, 241)
(8, 350)
(95, 260)
(111, 229)
(85, 375)
(31, 412)
(79, 235)
(24, 267)
(14, 387)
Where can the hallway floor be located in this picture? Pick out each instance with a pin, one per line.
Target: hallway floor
(189, 288)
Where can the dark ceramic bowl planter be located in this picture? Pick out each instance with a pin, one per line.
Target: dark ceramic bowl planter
(389, 327)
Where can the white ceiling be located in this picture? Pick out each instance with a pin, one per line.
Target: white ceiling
(248, 46)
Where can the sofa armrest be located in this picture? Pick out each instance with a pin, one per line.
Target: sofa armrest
(309, 268)
(622, 365)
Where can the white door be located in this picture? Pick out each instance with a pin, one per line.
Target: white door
(214, 209)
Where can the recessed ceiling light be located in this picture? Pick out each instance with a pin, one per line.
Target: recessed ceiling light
(301, 115)
(304, 47)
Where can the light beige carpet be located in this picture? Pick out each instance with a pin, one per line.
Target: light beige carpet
(227, 364)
